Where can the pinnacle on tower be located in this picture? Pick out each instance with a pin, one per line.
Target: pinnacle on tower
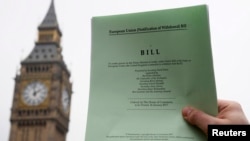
(50, 20)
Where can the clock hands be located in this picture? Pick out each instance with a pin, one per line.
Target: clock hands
(34, 93)
(37, 88)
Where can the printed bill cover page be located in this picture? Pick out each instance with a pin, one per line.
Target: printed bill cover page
(145, 67)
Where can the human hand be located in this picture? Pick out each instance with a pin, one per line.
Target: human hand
(229, 112)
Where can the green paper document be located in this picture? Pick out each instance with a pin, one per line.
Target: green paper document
(145, 67)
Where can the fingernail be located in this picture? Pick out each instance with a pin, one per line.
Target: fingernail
(186, 111)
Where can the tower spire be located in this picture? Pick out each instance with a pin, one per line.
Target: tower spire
(50, 20)
(47, 48)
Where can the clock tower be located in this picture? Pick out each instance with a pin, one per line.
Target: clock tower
(42, 92)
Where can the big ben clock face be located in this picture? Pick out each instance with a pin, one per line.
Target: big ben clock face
(34, 93)
(65, 100)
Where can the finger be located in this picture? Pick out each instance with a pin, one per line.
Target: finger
(228, 111)
(223, 104)
(198, 118)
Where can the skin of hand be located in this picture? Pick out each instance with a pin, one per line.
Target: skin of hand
(229, 112)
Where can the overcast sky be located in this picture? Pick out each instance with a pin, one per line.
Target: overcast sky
(19, 19)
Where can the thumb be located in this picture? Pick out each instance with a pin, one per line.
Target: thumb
(198, 118)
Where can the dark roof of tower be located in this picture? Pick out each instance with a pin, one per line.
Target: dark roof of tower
(47, 52)
(50, 20)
